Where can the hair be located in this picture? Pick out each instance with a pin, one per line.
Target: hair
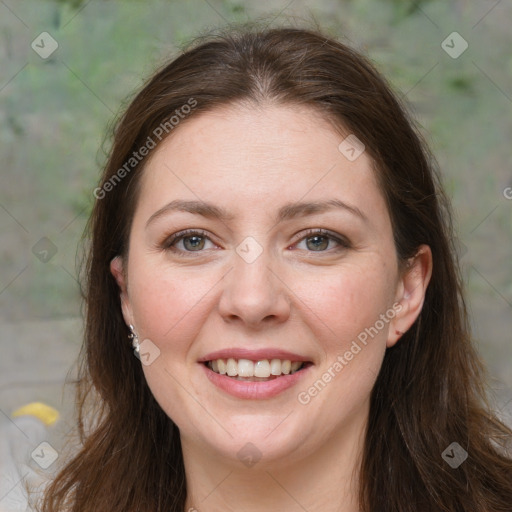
(431, 390)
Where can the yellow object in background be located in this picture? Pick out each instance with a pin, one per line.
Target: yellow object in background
(48, 415)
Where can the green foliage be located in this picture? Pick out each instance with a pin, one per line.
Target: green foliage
(75, 4)
(55, 112)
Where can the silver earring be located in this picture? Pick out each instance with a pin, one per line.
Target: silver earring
(135, 339)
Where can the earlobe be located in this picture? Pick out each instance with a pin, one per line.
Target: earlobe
(118, 271)
(411, 293)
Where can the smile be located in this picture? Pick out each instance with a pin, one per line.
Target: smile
(254, 374)
(255, 371)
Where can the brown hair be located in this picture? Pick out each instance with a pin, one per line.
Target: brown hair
(431, 389)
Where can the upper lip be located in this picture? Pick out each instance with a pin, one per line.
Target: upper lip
(252, 355)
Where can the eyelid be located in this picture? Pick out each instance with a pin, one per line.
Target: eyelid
(339, 239)
(179, 235)
(342, 241)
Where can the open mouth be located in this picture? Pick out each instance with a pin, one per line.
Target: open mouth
(255, 371)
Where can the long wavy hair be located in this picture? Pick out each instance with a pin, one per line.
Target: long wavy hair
(431, 390)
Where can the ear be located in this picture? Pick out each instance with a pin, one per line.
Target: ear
(119, 273)
(410, 294)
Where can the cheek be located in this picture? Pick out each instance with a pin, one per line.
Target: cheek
(170, 307)
(168, 304)
(346, 303)
(352, 334)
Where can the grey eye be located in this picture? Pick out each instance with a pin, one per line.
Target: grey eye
(196, 242)
(320, 242)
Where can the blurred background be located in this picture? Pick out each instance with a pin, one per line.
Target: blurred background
(68, 67)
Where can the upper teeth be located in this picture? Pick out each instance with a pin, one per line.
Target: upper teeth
(248, 368)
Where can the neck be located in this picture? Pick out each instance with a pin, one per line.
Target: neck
(324, 480)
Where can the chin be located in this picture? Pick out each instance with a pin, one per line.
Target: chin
(265, 440)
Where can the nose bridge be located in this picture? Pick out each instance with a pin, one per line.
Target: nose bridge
(252, 292)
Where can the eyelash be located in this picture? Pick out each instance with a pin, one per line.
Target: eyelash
(168, 243)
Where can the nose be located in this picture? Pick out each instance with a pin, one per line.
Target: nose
(254, 293)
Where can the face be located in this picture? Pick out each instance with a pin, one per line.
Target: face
(311, 294)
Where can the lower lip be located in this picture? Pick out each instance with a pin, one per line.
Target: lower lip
(250, 390)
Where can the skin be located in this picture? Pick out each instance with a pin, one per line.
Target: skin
(251, 161)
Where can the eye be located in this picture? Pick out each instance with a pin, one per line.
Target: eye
(193, 241)
(318, 240)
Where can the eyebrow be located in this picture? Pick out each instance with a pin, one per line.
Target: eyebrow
(287, 212)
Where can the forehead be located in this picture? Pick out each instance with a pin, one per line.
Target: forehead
(257, 157)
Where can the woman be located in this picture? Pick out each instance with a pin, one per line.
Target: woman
(271, 236)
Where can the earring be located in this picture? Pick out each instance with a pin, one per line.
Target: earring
(135, 339)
